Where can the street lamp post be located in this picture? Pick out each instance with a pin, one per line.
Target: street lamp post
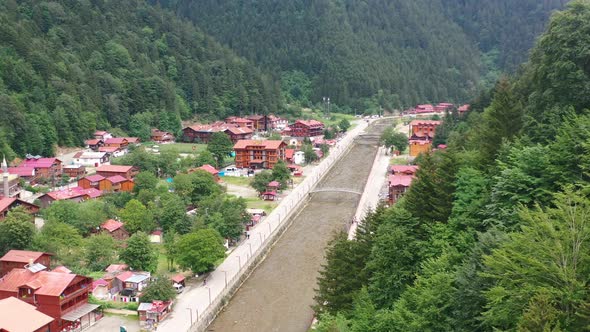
(260, 234)
(197, 310)
(191, 314)
(269, 228)
(240, 261)
(225, 276)
(209, 289)
(250, 245)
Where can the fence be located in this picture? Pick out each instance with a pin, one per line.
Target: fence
(280, 217)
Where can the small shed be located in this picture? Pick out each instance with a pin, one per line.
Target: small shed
(273, 186)
(153, 313)
(269, 195)
(156, 236)
(178, 279)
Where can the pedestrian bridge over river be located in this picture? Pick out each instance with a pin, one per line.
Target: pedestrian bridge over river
(333, 190)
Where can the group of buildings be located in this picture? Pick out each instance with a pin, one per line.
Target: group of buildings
(438, 108)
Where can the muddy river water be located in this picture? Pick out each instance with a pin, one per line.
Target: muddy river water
(279, 294)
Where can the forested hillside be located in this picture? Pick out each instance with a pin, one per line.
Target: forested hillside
(69, 66)
(396, 52)
(493, 233)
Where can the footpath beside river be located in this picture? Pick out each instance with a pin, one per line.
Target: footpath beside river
(279, 293)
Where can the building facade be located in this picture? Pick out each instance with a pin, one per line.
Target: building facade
(259, 154)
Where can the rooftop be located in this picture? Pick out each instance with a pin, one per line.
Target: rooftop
(111, 225)
(117, 179)
(400, 180)
(19, 316)
(267, 144)
(209, 168)
(39, 162)
(114, 168)
(45, 282)
(94, 178)
(21, 256)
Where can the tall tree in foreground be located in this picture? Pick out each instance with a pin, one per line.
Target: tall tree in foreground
(140, 253)
(16, 231)
(199, 251)
(543, 268)
(220, 146)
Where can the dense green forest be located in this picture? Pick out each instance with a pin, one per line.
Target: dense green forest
(395, 53)
(70, 66)
(493, 233)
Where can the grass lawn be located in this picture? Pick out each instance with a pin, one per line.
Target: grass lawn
(334, 119)
(402, 160)
(257, 203)
(182, 147)
(243, 181)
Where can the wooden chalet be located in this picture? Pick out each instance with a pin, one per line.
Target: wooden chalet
(398, 185)
(403, 169)
(259, 154)
(117, 142)
(151, 314)
(107, 171)
(102, 135)
(93, 144)
(28, 174)
(9, 203)
(62, 296)
(76, 194)
(161, 136)
(115, 229)
(307, 128)
(203, 133)
(240, 122)
(44, 167)
(238, 133)
(74, 171)
(423, 129)
(18, 259)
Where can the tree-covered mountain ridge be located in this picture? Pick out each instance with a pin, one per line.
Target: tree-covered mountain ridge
(68, 67)
(393, 53)
(492, 235)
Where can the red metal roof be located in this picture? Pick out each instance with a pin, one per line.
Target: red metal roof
(209, 168)
(21, 171)
(117, 179)
(21, 256)
(61, 269)
(50, 283)
(267, 144)
(39, 163)
(100, 133)
(132, 140)
(65, 194)
(92, 141)
(116, 267)
(19, 316)
(94, 178)
(6, 202)
(124, 275)
(111, 225)
(425, 122)
(114, 168)
(400, 180)
(310, 123)
(116, 140)
(108, 149)
(239, 130)
(289, 153)
(408, 169)
(178, 278)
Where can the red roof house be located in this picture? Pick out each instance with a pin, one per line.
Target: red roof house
(307, 128)
(20, 258)
(404, 169)
(19, 316)
(115, 229)
(398, 185)
(259, 154)
(7, 204)
(127, 172)
(44, 167)
(62, 296)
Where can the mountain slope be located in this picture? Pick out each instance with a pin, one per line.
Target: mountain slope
(403, 52)
(68, 67)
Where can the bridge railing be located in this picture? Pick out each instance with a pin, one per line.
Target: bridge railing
(276, 226)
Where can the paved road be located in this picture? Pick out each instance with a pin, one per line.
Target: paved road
(279, 293)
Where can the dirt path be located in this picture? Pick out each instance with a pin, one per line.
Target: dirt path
(279, 293)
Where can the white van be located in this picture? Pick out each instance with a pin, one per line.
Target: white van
(178, 287)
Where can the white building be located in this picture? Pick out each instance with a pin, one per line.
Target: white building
(299, 157)
(91, 159)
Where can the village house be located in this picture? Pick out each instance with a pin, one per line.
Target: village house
(117, 142)
(203, 133)
(156, 236)
(260, 122)
(259, 154)
(130, 285)
(62, 296)
(47, 168)
(74, 171)
(91, 181)
(133, 140)
(153, 313)
(76, 194)
(289, 153)
(240, 122)
(93, 144)
(236, 134)
(115, 229)
(91, 159)
(277, 123)
(106, 288)
(102, 135)
(28, 174)
(161, 136)
(398, 185)
(209, 169)
(18, 259)
(10, 185)
(19, 316)
(443, 107)
(421, 135)
(9, 203)
(463, 109)
(117, 183)
(403, 169)
(307, 128)
(107, 171)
